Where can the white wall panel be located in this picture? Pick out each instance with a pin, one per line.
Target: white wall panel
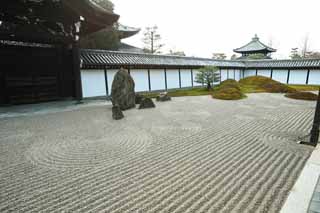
(249, 72)
(93, 83)
(140, 78)
(157, 79)
(185, 78)
(224, 74)
(110, 75)
(194, 78)
(280, 75)
(173, 79)
(265, 73)
(237, 74)
(298, 76)
(314, 77)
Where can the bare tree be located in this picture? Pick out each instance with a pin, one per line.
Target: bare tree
(305, 46)
(219, 56)
(152, 40)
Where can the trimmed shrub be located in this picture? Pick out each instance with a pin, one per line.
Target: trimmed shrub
(230, 83)
(308, 96)
(228, 94)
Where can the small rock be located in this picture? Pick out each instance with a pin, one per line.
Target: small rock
(146, 103)
(117, 113)
(163, 97)
(139, 98)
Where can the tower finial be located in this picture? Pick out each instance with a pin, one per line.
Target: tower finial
(255, 38)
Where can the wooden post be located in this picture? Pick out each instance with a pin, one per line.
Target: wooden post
(179, 78)
(256, 72)
(307, 80)
(316, 124)
(191, 77)
(106, 80)
(271, 74)
(220, 74)
(165, 79)
(149, 80)
(288, 77)
(76, 71)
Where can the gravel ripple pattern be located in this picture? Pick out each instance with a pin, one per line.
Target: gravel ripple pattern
(193, 154)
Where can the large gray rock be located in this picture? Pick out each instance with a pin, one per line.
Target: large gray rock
(139, 98)
(117, 113)
(122, 91)
(146, 103)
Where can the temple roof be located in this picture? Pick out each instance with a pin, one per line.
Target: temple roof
(254, 46)
(101, 58)
(125, 31)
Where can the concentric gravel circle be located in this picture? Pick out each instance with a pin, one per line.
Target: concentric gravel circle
(114, 148)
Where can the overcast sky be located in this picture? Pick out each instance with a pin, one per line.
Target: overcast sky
(201, 27)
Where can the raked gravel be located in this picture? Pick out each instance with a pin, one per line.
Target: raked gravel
(193, 154)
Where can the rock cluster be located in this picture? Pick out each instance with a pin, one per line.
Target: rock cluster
(117, 113)
(139, 98)
(163, 97)
(146, 103)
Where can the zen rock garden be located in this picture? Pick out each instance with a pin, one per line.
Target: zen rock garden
(123, 95)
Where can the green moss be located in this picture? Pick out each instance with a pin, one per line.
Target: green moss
(228, 90)
(264, 84)
(309, 96)
(305, 87)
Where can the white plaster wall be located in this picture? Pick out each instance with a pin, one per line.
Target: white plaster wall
(224, 74)
(314, 77)
(157, 79)
(280, 75)
(194, 78)
(173, 78)
(93, 83)
(249, 72)
(298, 76)
(237, 75)
(140, 78)
(110, 74)
(185, 78)
(265, 73)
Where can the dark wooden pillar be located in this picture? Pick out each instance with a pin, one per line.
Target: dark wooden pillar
(106, 80)
(308, 74)
(149, 80)
(165, 79)
(288, 77)
(271, 74)
(256, 72)
(179, 78)
(316, 124)
(220, 73)
(191, 77)
(76, 71)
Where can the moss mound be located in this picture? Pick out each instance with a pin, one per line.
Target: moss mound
(230, 83)
(264, 84)
(308, 96)
(228, 90)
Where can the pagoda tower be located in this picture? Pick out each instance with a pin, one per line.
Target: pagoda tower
(255, 49)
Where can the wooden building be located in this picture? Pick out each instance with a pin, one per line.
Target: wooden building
(39, 54)
(255, 47)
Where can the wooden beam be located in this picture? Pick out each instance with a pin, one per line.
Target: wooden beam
(76, 71)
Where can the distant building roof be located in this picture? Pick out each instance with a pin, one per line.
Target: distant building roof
(129, 48)
(125, 31)
(254, 46)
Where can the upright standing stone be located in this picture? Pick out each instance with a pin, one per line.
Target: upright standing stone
(122, 91)
(117, 113)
